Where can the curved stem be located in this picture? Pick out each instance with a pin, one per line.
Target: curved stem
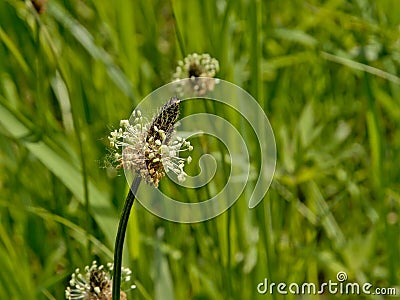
(119, 240)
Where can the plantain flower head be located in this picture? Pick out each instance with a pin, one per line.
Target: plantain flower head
(151, 149)
(95, 283)
(201, 69)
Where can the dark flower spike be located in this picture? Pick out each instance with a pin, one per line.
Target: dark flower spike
(166, 119)
(159, 134)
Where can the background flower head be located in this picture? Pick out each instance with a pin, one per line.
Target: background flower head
(201, 69)
(95, 283)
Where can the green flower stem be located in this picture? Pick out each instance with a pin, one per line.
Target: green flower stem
(119, 240)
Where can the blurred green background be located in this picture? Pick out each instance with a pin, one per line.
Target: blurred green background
(325, 73)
